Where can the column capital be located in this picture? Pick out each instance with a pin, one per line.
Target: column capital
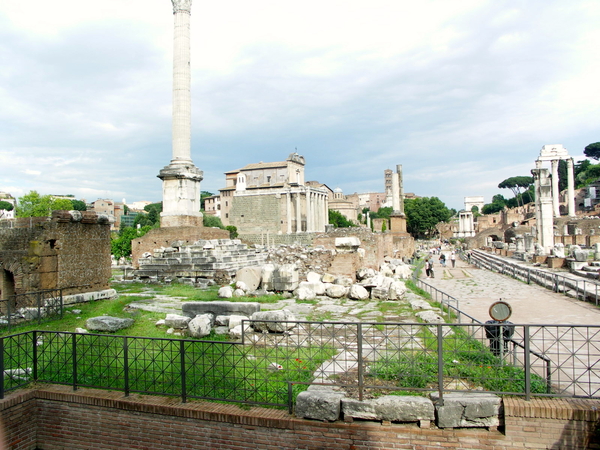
(182, 6)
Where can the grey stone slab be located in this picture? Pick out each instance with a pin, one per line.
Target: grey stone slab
(319, 404)
(468, 409)
(220, 308)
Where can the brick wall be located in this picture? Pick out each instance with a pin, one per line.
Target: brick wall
(164, 237)
(54, 417)
(58, 253)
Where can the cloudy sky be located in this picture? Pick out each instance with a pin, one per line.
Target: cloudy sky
(462, 93)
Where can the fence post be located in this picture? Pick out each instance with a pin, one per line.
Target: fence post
(126, 365)
(74, 356)
(35, 356)
(290, 397)
(359, 357)
(39, 305)
(62, 304)
(182, 359)
(527, 361)
(440, 350)
(2, 367)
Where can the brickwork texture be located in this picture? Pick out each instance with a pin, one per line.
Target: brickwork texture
(52, 418)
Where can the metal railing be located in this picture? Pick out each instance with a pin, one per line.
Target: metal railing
(32, 306)
(581, 289)
(272, 368)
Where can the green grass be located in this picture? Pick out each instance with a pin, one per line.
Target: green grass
(213, 370)
(464, 359)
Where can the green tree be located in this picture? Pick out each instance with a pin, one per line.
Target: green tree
(423, 214)
(121, 245)
(34, 205)
(498, 204)
(592, 151)
(6, 206)
(232, 231)
(337, 219)
(515, 184)
(212, 221)
(61, 204)
(153, 210)
(382, 213)
(78, 205)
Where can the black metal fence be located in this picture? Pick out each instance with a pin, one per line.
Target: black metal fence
(573, 286)
(33, 306)
(364, 359)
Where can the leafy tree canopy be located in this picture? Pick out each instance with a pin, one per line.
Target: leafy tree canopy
(423, 214)
(515, 184)
(382, 213)
(212, 221)
(154, 210)
(78, 205)
(35, 205)
(592, 151)
(6, 206)
(337, 219)
(121, 245)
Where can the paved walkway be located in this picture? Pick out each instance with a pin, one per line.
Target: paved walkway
(476, 289)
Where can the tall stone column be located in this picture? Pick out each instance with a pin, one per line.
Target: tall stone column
(298, 213)
(309, 211)
(571, 187)
(288, 217)
(544, 213)
(555, 191)
(181, 178)
(395, 193)
(400, 187)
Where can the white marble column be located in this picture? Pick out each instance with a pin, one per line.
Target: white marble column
(395, 193)
(555, 191)
(571, 187)
(309, 211)
(400, 188)
(181, 178)
(298, 213)
(288, 196)
(182, 100)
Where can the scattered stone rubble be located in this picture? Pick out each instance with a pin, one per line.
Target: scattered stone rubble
(458, 410)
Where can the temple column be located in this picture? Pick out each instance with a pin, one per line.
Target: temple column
(555, 191)
(570, 187)
(288, 197)
(309, 212)
(298, 213)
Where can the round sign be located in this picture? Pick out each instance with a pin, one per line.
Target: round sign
(500, 311)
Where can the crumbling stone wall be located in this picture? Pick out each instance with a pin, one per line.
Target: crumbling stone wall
(307, 259)
(65, 252)
(164, 237)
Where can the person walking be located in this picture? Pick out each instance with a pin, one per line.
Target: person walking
(453, 259)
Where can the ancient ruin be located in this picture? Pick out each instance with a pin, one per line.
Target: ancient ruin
(70, 251)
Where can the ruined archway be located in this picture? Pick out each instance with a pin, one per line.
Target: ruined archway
(7, 289)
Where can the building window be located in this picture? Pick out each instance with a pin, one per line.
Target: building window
(227, 215)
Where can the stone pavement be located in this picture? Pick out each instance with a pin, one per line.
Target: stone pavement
(476, 289)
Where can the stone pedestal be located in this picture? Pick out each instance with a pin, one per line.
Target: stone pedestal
(398, 223)
(181, 196)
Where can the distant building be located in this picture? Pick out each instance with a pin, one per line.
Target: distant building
(139, 206)
(346, 207)
(111, 208)
(474, 201)
(212, 205)
(273, 198)
(6, 197)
